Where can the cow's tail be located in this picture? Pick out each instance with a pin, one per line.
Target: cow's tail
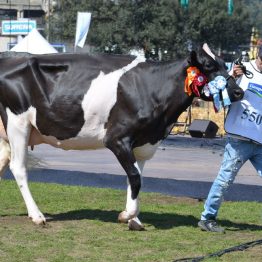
(5, 156)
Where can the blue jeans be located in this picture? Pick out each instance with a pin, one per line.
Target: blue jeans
(237, 152)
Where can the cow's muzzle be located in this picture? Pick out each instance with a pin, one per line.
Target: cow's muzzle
(235, 92)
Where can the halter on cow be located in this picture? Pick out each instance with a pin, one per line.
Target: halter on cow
(77, 101)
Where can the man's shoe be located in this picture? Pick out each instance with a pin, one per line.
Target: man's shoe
(210, 226)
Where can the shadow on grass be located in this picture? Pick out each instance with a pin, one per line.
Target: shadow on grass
(160, 221)
(167, 186)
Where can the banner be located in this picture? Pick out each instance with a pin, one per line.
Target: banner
(230, 7)
(82, 27)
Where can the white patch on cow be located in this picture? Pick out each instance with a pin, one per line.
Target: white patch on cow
(21, 121)
(30, 115)
(99, 100)
(132, 205)
(138, 168)
(145, 152)
(208, 51)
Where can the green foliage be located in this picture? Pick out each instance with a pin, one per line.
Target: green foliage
(211, 23)
(254, 8)
(118, 26)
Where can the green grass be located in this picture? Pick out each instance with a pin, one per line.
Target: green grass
(82, 226)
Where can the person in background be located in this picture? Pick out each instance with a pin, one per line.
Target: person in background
(243, 125)
(245, 56)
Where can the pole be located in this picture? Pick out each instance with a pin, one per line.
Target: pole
(28, 16)
(48, 21)
(10, 23)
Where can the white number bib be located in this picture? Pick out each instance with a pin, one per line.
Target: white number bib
(245, 117)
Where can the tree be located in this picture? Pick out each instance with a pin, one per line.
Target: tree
(255, 8)
(155, 25)
(210, 22)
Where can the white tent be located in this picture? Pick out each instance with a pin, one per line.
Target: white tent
(34, 43)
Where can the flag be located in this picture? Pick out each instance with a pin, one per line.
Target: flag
(82, 27)
(230, 7)
(184, 3)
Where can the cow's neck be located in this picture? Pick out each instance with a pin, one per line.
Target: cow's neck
(168, 85)
(177, 101)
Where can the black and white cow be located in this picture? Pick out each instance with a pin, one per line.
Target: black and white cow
(78, 101)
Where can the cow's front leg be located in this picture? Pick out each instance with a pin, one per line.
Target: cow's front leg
(133, 223)
(132, 207)
(123, 151)
(18, 131)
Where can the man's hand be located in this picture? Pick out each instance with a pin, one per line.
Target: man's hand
(237, 71)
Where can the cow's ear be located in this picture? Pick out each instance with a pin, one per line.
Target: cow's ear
(192, 59)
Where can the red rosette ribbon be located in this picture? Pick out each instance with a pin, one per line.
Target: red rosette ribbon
(199, 81)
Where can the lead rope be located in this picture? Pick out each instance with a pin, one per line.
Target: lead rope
(222, 252)
(246, 72)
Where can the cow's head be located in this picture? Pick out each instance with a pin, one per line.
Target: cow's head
(214, 70)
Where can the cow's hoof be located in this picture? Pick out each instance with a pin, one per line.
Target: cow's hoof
(123, 217)
(38, 220)
(135, 224)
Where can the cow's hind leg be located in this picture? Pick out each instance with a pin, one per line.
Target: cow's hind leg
(18, 130)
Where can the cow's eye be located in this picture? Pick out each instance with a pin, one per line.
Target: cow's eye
(209, 66)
